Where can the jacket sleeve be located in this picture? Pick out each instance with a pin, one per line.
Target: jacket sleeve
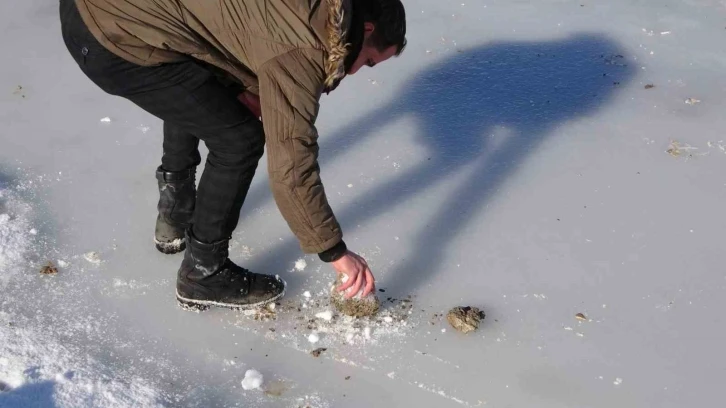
(290, 88)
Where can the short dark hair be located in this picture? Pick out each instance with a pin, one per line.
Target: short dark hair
(389, 19)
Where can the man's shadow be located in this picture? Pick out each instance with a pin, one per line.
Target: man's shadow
(482, 112)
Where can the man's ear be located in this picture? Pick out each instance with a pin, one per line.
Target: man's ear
(368, 27)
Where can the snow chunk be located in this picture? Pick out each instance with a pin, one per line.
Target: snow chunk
(300, 265)
(106, 120)
(618, 381)
(307, 294)
(313, 338)
(253, 380)
(388, 319)
(33, 231)
(92, 257)
(326, 315)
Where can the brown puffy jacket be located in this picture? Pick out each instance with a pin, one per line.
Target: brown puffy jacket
(287, 51)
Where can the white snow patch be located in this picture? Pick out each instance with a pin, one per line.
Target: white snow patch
(33, 231)
(326, 315)
(307, 294)
(253, 380)
(92, 257)
(388, 319)
(618, 381)
(391, 375)
(300, 265)
(14, 243)
(313, 338)
(106, 120)
(64, 375)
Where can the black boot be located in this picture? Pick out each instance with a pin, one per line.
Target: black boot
(177, 194)
(208, 278)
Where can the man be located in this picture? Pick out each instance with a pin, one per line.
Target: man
(174, 59)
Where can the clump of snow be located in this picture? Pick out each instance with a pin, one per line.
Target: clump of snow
(391, 375)
(313, 338)
(92, 257)
(326, 315)
(307, 294)
(253, 380)
(388, 319)
(618, 381)
(106, 120)
(33, 231)
(300, 265)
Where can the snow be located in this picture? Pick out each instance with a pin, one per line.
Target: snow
(326, 315)
(252, 381)
(313, 338)
(300, 265)
(510, 159)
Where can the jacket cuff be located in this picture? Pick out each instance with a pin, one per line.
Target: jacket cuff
(334, 253)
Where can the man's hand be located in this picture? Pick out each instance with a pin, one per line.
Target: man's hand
(359, 275)
(252, 102)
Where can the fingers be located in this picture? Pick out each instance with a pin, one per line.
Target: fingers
(346, 284)
(358, 283)
(370, 285)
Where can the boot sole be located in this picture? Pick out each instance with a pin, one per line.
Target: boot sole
(195, 305)
(173, 247)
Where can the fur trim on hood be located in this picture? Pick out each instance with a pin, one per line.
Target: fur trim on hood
(338, 47)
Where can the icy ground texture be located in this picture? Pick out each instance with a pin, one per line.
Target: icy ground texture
(536, 159)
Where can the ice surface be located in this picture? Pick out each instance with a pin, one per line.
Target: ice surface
(510, 159)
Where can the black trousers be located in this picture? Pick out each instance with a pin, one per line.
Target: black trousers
(194, 106)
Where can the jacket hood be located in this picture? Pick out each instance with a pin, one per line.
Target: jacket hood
(338, 25)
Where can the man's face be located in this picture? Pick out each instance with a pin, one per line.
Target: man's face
(370, 55)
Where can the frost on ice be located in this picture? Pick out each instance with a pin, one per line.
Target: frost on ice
(253, 380)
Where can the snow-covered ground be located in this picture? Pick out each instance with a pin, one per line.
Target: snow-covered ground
(515, 158)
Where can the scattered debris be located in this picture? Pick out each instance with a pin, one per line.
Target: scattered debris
(465, 318)
(674, 149)
(48, 269)
(317, 351)
(692, 101)
(649, 86)
(580, 316)
(355, 306)
(275, 388)
(253, 380)
(19, 91)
